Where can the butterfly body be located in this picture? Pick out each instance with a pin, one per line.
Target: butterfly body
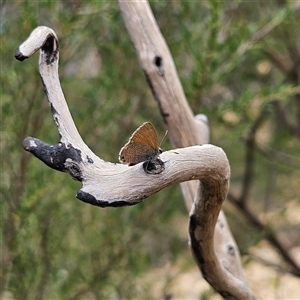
(142, 146)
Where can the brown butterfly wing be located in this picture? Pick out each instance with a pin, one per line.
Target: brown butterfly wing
(142, 145)
(135, 153)
(146, 135)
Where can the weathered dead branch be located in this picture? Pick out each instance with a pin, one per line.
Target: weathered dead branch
(221, 255)
(108, 184)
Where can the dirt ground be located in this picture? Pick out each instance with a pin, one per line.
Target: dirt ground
(184, 281)
(266, 282)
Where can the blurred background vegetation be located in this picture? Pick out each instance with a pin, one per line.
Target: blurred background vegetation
(239, 64)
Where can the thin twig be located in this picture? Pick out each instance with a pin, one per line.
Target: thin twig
(270, 235)
(250, 158)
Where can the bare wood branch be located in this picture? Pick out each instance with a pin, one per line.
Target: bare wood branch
(203, 217)
(221, 253)
(160, 72)
(104, 183)
(107, 184)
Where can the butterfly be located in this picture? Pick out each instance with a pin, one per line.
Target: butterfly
(142, 146)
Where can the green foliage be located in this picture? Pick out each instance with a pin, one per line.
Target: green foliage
(58, 247)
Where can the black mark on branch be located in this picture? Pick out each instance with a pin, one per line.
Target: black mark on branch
(158, 61)
(60, 157)
(88, 198)
(19, 56)
(51, 49)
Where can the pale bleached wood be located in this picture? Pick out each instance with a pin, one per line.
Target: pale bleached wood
(108, 184)
(159, 68)
(220, 263)
(105, 183)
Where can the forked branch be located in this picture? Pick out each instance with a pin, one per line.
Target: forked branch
(107, 184)
(216, 253)
(104, 183)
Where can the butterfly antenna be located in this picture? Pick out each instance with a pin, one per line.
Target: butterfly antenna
(163, 137)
